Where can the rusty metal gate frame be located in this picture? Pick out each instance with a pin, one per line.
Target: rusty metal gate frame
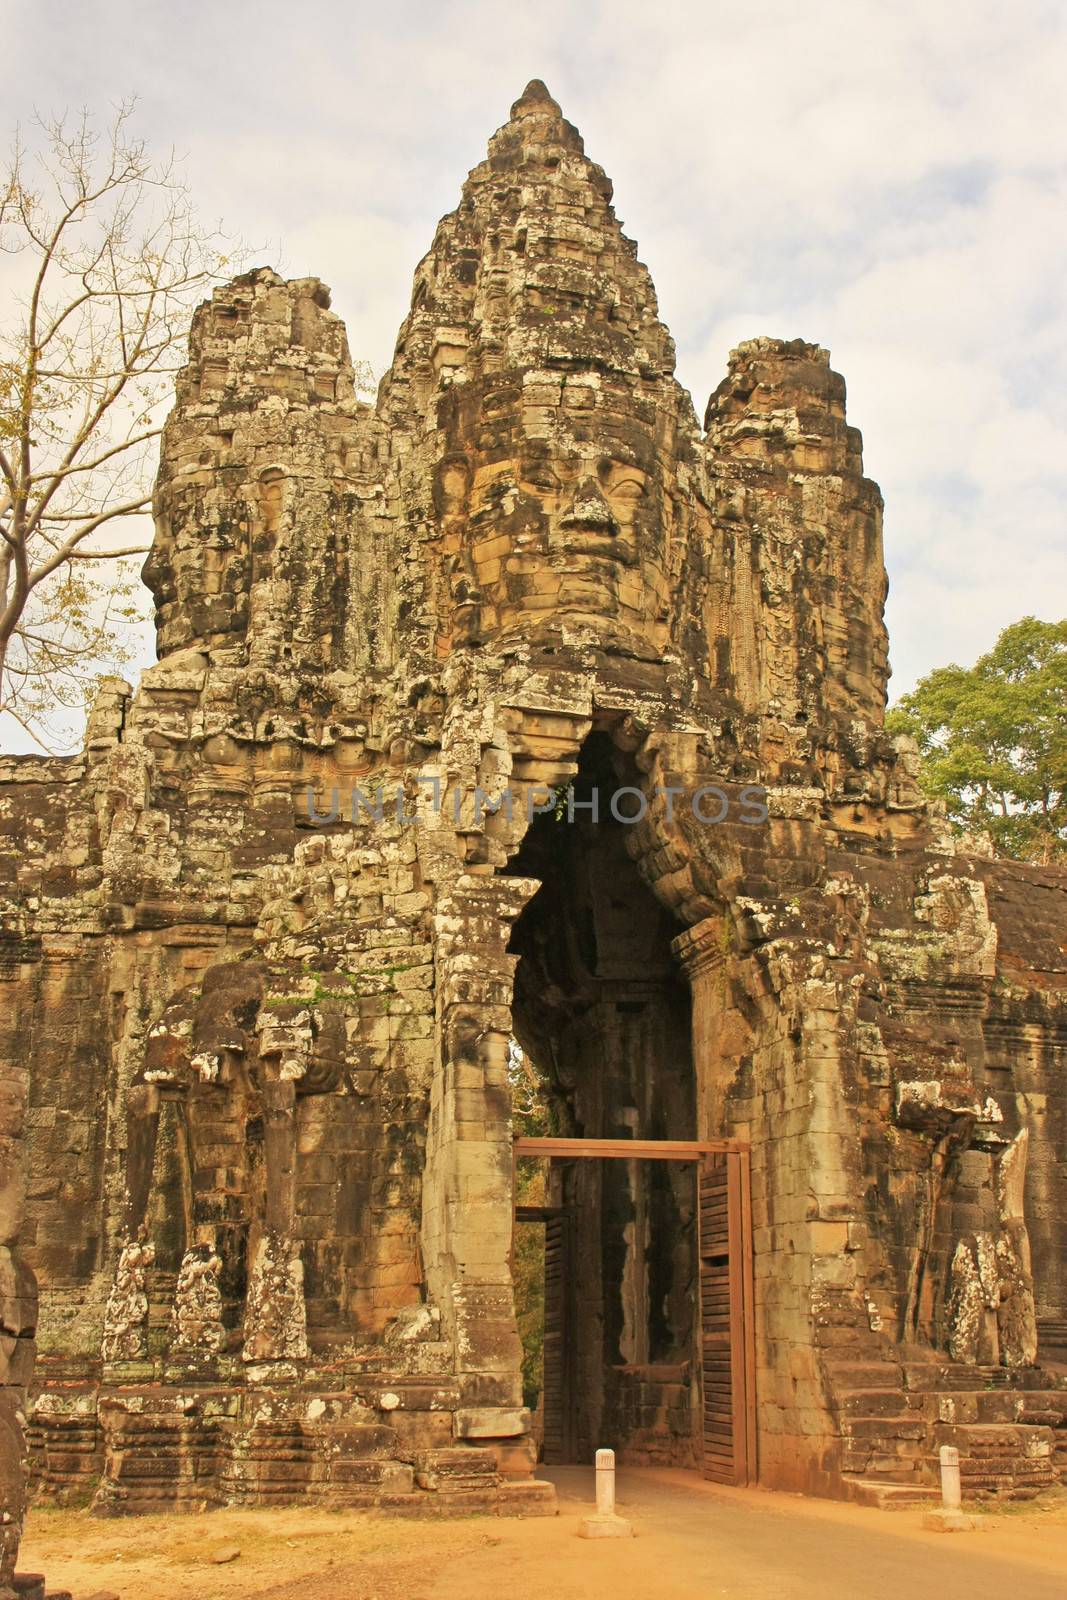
(706, 1154)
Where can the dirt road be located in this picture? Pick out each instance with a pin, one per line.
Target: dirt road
(694, 1542)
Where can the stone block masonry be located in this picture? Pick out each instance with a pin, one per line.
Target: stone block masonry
(256, 1069)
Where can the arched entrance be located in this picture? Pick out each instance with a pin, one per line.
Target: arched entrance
(724, 1429)
(640, 1309)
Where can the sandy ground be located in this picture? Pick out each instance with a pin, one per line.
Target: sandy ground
(693, 1540)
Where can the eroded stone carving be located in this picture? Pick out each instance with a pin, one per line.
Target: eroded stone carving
(126, 1314)
(18, 1283)
(991, 1313)
(524, 573)
(18, 1325)
(198, 1325)
(275, 1318)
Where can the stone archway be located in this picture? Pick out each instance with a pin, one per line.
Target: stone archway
(602, 1009)
(722, 1433)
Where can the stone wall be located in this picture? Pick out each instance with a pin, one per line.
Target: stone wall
(267, 939)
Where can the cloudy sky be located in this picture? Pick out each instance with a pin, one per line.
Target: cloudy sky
(888, 179)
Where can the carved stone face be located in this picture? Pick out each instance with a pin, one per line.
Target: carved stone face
(197, 570)
(553, 514)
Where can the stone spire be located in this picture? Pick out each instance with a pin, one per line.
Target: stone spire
(814, 648)
(535, 100)
(535, 380)
(246, 555)
(532, 268)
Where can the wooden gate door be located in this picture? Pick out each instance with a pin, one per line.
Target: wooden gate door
(727, 1353)
(555, 1409)
(727, 1324)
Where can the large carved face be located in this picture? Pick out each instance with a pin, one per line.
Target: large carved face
(553, 516)
(198, 568)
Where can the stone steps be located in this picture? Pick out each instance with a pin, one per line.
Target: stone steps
(1028, 1407)
(883, 1439)
(159, 1460)
(886, 1467)
(852, 1377)
(873, 1403)
(907, 1426)
(1009, 1426)
(66, 1454)
(888, 1496)
(944, 1377)
(1013, 1461)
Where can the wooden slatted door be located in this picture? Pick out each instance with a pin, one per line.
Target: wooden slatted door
(726, 1322)
(554, 1387)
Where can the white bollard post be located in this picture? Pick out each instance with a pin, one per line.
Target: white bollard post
(948, 1518)
(605, 1524)
(951, 1493)
(605, 1483)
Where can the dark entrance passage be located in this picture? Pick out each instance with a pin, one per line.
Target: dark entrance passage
(723, 1419)
(640, 1347)
(603, 1016)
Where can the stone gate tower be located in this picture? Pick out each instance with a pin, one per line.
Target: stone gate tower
(265, 943)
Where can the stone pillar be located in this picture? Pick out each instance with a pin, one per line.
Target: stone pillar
(18, 1305)
(275, 1311)
(467, 1184)
(768, 1029)
(701, 952)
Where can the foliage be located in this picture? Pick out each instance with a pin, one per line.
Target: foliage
(993, 740)
(108, 261)
(365, 381)
(528, 1273)
(530, 1117)
(529, 1103)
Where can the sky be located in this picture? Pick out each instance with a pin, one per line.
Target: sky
(886, 179)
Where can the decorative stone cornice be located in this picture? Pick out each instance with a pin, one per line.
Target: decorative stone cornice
(703, 947)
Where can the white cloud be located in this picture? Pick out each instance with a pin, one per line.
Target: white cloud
(885, 180)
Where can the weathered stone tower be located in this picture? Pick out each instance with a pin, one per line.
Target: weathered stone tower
(266, 1035)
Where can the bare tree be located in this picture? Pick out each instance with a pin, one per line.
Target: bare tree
(109, 261)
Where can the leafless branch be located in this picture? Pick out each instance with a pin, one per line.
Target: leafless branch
(110, 555)
(113, 261)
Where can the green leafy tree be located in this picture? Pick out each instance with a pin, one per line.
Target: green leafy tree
(531, 1117)
(993, 740)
